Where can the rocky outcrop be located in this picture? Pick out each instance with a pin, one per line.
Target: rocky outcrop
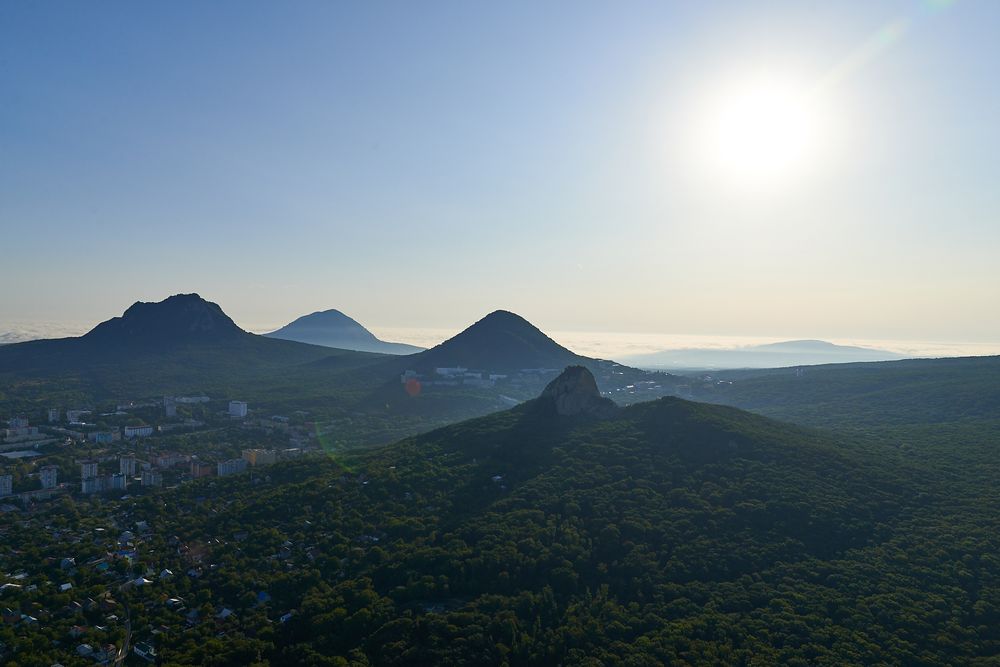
(575, 392)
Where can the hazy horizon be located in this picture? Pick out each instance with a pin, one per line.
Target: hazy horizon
(599, 344)
(590, 169)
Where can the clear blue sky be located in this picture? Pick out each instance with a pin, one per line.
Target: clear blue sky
(420, 164)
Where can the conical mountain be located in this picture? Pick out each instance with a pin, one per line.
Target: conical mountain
(332, 328)
(501, 341)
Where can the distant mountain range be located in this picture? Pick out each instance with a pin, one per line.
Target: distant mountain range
(332, 328)
(183, 343)
(180, 321)
(771, 355)
(187, 344)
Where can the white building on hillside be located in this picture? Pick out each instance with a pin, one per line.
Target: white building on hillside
(237, 409)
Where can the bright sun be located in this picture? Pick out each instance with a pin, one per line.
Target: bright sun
(761, 133)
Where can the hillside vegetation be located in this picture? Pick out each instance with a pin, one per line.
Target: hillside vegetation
(667, 533)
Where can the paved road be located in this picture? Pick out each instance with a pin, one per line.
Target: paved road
(123, 651)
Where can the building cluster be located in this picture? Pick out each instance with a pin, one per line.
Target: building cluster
(97, 474)
(250, 457)
(452, 376)
(130, 469)
(48, 477)
(91, 481)
(18, 430)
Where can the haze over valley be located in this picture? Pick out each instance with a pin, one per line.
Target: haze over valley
(516, 334)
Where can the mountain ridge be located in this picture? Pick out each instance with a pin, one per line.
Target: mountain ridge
(802, 352)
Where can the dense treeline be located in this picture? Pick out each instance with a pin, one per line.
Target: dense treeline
(675, 533)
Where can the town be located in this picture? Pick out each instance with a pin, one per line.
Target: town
(79, 461)
(141, 445)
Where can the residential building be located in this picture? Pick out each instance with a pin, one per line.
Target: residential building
(54, 414)
(6, 485)
(191, 399)
(450, 371)
(152, 478)
(117, 482)
(101, 437)
(127, 465)
(146, 651)
(231, 467)
(88, 469)
(138, 432)
(201, 469)
(21, 433)
(169, 406)
(170, 459)
(73, 416)
(17, 422)
(238, 409)
(260, 457)
(49, 476)
(90, 485)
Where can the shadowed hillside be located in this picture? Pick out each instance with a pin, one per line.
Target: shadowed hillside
(667, 532)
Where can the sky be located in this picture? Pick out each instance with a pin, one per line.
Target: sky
(422, 164)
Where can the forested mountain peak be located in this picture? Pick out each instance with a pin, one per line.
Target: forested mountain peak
(179, 318)
(502, 341)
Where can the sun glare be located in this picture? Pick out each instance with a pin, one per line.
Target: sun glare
(761, 133)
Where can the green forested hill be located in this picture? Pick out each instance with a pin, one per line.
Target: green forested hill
(670, 533)
(880, 394)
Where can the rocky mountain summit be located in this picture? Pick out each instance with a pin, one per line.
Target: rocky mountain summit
(575, 392)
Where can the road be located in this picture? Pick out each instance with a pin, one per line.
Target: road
(123, 651)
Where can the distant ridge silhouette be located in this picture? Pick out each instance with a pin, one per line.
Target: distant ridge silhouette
(332, 328)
